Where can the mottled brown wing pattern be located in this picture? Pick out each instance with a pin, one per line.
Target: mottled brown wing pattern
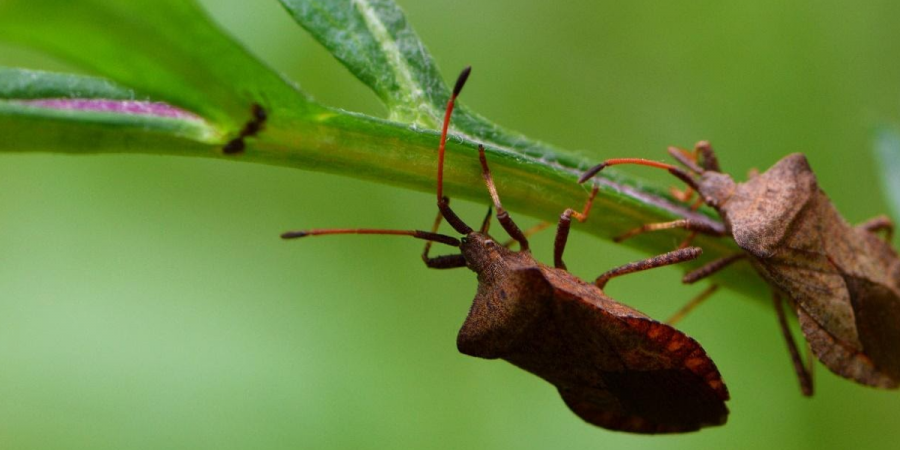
(661, 380)
(847, 302)
(840, 358)
(877, 309)
(819, 291)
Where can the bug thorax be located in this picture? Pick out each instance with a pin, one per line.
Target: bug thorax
(716, 188)
(512, 295)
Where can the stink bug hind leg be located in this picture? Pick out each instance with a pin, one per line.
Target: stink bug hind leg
(712, 267)
(804, 371)
(695, 227)
(695, 302)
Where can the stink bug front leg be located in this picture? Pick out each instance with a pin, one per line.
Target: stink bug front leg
(673, 257)
(445, 261)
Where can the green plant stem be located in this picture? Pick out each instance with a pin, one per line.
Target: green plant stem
(385, 152)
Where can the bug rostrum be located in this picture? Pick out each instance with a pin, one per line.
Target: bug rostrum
(613, 366)
(842, 280)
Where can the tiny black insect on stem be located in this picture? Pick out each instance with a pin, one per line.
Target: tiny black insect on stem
(251, 128)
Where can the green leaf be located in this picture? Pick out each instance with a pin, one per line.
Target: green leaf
(373, 39)
(73, 113)
(163, 49)
(887, 152)
(32, 84)
(28, 128)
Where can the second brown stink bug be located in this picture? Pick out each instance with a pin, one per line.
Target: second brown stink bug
(613, 366)
(842, 280)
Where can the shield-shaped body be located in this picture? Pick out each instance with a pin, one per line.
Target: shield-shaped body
(613, 366)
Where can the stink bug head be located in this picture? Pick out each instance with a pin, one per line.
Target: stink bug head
(716, 188)
(482, 252)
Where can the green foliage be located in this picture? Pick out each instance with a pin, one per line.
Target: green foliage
(32, 127)
(33, 84)
(171, 52)
(373, 39)
(164, 49)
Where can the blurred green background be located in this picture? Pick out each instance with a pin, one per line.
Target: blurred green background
(147, 302)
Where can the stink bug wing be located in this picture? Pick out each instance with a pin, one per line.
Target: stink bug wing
(658, 401)
(884, 258)
(815, 287)
(877, 310)
(838, 357)
(633, 373)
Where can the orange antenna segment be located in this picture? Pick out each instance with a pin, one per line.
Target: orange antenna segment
(460, 82)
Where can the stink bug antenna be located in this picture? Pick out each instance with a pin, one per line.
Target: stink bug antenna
(486, 223)
(702, 159)
(443, 202)
(686, 158)
(418, 234)
(674, 170)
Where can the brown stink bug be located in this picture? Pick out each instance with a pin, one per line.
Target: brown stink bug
(613, 366)
(843, 280)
